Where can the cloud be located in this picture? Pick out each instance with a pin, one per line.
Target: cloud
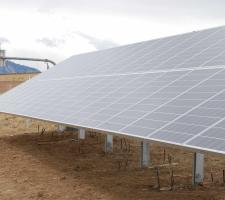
(205, 9)
(99, 44)
(50, 42)
(44, 10)
(3, 40)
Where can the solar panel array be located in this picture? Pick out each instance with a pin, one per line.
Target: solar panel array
(163, 90)
(202, 48)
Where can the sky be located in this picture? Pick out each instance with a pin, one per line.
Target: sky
(58, 29)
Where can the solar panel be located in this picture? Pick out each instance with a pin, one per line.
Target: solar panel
(161, 90)
(202, 48)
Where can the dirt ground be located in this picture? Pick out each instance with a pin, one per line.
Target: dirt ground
(9, 81)
(17, 77)
(37, 162)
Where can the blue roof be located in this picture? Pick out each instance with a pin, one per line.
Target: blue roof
(13, 68)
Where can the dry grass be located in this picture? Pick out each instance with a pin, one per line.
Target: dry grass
(17, 77)
(7, 82)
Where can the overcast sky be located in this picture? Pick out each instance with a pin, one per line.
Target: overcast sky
(57, 29)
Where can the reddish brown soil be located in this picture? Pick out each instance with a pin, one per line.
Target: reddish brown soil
(7, 82)
(55, 167)
(7, 85)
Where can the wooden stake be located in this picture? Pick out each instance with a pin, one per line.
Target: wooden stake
(121, 143)
(158, 179)
(212, 179)
(164, 155)
(169, 159)
(171, 179)
(129, 146)
(223, 176)
(125, 143)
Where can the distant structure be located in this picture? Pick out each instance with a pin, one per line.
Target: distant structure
(14, 68)
(8, 67)
(2, 55)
